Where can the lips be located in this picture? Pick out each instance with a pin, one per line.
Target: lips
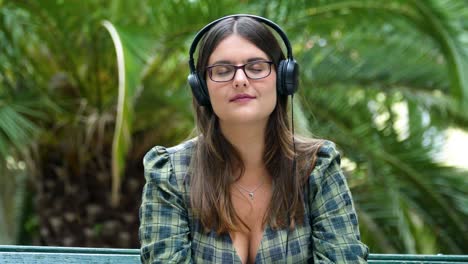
(241, 97)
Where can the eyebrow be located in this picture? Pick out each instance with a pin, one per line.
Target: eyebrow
(221, 62)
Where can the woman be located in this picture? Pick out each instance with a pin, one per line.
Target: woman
(246, 190)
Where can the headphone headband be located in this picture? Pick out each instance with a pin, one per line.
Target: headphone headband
(206, 28)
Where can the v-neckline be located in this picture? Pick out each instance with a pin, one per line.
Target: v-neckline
(260, 245)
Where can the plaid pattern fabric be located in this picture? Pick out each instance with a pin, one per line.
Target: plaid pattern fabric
(169, 233)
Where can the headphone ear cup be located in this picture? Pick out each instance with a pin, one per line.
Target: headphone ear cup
(290, 76)
(280, 78)
(287, 77)
(199, 89)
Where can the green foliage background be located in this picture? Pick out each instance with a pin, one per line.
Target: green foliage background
(87, 87)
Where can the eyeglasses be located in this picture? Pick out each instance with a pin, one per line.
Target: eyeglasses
(253, 70)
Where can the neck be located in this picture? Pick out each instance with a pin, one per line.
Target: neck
(249, 140)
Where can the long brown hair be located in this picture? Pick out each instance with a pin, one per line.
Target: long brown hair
(215, 159)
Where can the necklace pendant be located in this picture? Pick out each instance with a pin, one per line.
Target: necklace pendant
(251, 194)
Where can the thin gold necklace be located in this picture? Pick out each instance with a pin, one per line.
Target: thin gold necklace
(252, 192)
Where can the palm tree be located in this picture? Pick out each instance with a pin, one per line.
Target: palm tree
(383, 79)
(364, 53)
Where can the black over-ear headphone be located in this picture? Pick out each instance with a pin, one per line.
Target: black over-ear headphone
(287, 72)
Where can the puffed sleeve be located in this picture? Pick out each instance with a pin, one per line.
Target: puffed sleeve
(164, 230)
(335, 231)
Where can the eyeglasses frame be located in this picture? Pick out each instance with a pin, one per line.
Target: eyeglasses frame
(236, 68)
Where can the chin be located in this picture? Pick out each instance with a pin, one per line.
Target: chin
(246, 119)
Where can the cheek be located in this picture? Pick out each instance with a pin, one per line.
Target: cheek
(212, 89)
(272, 95)
(216, 96)
(272, 100)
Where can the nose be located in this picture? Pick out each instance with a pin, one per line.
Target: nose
(240, 79)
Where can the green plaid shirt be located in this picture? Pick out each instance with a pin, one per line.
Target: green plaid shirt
(169, 232)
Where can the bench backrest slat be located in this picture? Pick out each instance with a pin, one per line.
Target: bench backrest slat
(50, 258)
(76, 255)
(449, 258)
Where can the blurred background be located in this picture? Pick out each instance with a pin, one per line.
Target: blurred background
(87, 87)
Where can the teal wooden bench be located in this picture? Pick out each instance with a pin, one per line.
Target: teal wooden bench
(75, 255)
